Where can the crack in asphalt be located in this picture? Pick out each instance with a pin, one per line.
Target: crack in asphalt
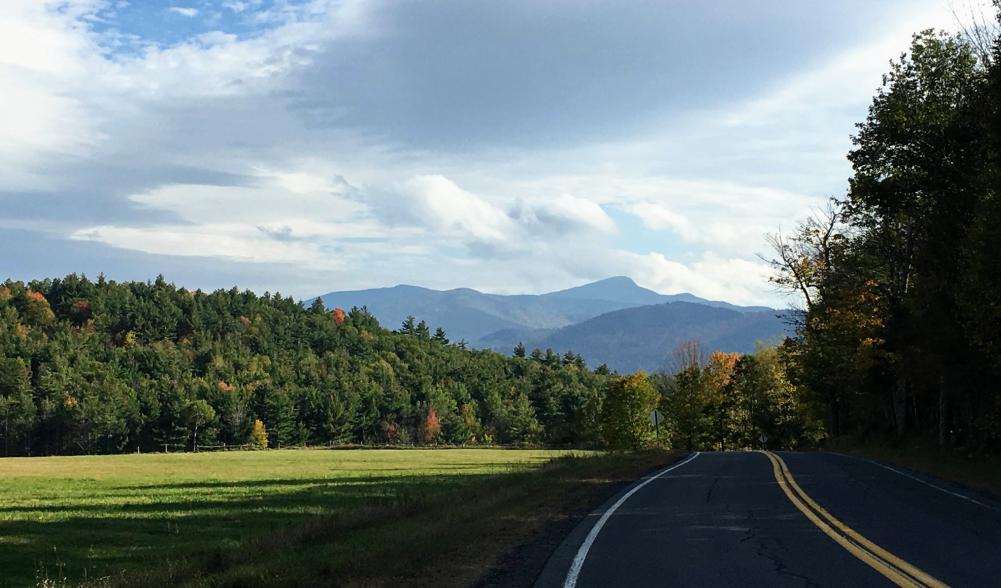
(770, 549)
(712, 487)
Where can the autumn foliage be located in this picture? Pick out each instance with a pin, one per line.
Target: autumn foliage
(432, 427)
(80, 312)
(36, 309)
(338, 316)
(390, 433)
(258, 435)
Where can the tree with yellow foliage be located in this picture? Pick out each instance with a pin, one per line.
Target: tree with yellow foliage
(258, 435)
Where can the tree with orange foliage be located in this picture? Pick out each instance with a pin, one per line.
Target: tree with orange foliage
(391, 433)
(36, 309)
(432, 427)
(338, 316)
(80, 312)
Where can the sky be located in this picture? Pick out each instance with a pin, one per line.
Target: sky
(514, 146)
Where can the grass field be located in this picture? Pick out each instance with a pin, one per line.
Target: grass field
(279, 517)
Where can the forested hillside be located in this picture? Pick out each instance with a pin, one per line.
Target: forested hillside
(101, 366)
(901, 279)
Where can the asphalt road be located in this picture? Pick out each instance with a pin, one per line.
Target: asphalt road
(736, 519)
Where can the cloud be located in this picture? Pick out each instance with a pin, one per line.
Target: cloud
(44, 58)
(224, 240)
(440, 205)
(235, 5)
(562, 214)
(184, 11)
(349, 142)
(727, 216)
(734, 279)
(659, 217)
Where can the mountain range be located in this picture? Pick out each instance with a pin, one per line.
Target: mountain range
(612, 321)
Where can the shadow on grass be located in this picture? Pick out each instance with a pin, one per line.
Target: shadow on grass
(413, 530)
(89, 540)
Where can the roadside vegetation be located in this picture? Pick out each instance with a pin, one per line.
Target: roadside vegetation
(291, 517)
(978, 470)
(900, 279)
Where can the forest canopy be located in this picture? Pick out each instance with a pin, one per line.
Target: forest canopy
(99, 366)
(105, 367)
(900, 279)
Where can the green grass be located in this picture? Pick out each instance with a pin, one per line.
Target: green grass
(193, 517)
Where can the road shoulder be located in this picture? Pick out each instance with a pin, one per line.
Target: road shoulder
(555, 570)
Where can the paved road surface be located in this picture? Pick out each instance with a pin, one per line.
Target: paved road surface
(790, 519)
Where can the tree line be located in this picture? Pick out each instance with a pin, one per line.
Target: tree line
(900, 279)
(104, 367)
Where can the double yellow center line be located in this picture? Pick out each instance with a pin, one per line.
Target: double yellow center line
(895, 569)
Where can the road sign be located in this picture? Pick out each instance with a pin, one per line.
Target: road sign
(656, 418)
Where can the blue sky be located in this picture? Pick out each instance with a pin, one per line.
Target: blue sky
(516, 146)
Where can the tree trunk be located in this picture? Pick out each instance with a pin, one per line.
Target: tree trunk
(943, 412)
(900, 406)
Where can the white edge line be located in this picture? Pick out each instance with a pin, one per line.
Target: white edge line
(917, 479)
(578, 560)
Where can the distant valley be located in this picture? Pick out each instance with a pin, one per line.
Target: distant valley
(612, 321)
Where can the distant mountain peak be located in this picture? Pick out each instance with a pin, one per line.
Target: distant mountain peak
(620, 288)
(616, 280)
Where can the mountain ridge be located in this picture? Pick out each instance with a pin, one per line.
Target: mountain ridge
(485, 320)
(644, 337)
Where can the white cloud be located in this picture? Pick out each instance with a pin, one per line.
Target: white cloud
(184, 11)
(368, 209)
(224, 240)
(235, 5)
(439, 204)
(730, 218)
(563, 213)
(734, 279)
(44, 58)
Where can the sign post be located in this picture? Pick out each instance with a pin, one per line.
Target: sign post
(655, 418)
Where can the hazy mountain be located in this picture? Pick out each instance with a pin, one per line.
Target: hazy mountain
(645, 337)
(619, 288)
(623, 289)
(472, 315)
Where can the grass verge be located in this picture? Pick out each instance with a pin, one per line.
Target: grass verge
(979, 471)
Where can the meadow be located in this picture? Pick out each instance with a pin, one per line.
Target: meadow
(81, 517)
(337, 517)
